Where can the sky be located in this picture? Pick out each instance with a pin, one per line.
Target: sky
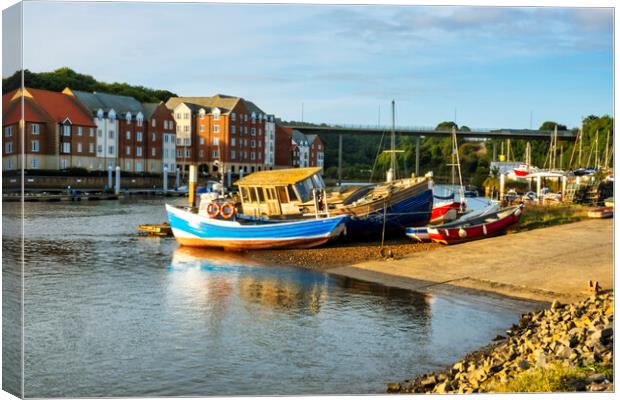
(490, 67)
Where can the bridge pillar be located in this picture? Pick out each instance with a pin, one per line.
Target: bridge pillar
(339, 159)
(494, 151)
(417, 156)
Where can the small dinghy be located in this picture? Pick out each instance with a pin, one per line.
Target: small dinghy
(421, 233)
(601, 212)
(485, 226)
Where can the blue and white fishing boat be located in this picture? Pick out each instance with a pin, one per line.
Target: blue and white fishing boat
(200, 230)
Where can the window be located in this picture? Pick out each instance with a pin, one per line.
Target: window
(139, 122)
(79, 147)
(187, 153)
(35, 145)
(233, 116)
(165, 138)
(260, 144)
(216, 141)
(128, 135)
(34, 163)
(186, 128)
(233, 129)
(202, 128)
(245, 130)
(245, 117)
(179, 153)
(201, 153)
(8, 147)
(138, 167)
(8, 131)
(91, 147)
(35, 129)
(99, 148)
(260, 131)
(233, 154)
(260, 156)
(253, 131)
(139, 136)
(66, 147)
(253, 143)
(232, 141)
(66, 130)
(153, 136)
(138, 151)
(216, 128)
(111, 134)
(153, 152)
(91, 132)
(99, 133)
(216, 154)
(202, 140)
(64, 163)
(153, 123)
(110, 150)
(9, 164)
(253, 156)
(186, 116)
(178, 115)
(80, 131)
(201, 113)
(128, 150)
(127, 165)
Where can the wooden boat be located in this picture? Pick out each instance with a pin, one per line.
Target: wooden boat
(609, 202)
(601, 212)
(191, 229)
(477, 228)
(421, 233)
(281, 195)
(445, 211)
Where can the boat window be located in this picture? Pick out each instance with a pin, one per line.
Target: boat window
(304, 189)
(291, 193)
(253, 198)
(244, 194)
(318, 181)
(261, 195)
(282, 196)
(268, 193)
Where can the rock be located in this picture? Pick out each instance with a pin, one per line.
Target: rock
(523, 364)
(429, 380)
(442, 388)
(555, 305)
(393, 387)
(599, 387)
(499, 337)
(596, 378)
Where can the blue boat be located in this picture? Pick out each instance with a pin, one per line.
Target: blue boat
(192, 229)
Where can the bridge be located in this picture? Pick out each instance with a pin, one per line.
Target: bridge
(418, 132)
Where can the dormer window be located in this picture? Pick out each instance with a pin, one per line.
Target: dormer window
(201, 113)
(128, 117)
(216, 114)
(139, 119)
(253, 117)
(111, 115)
(100, 113)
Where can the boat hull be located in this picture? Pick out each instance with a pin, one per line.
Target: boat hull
(444, 212)
(195, 230)
(403, 210)
(457, 234)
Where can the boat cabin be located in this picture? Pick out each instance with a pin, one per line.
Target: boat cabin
(279, 193)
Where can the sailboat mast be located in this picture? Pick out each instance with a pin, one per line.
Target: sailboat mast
(596, 161)
(580, 142)
(606, 148)
(393, 142)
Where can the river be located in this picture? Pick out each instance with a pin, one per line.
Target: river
(108, 313)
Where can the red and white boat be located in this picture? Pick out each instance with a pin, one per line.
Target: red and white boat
(445, 211)
(524, 170)
(488, 225)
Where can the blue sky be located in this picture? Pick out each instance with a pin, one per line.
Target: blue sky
(493, 65)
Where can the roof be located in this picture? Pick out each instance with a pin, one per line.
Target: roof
(106, 101)
(58, 106)
(311, 138)
(298, 136)
(149, 108)
(223, 102)
(278, 176)
(11, 110)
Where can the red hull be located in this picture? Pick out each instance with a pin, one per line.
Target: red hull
(476, 232)
(521, 173)
(440, 211)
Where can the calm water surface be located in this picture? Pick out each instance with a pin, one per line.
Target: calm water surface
(112, 314)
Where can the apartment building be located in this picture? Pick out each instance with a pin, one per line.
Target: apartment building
(160, 139)
(58, 133)
(316, 155)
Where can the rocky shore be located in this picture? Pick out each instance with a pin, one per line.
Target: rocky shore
(562, 348)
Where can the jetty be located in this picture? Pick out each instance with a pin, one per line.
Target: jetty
(554, 263)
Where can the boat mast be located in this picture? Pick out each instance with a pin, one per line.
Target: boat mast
(606, 148)
(580, 142)
(393, 143)
(596, 160)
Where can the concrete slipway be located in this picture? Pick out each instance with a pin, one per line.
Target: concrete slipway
(540, 265)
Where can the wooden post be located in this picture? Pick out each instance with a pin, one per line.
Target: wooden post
(502, 184)
(193, 180)
(339, 159)
(417, 156)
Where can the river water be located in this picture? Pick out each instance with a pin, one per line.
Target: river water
(108, 313)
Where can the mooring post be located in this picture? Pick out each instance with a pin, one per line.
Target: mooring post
(165, 178)
(502, 183)
(193, 179)
(178, 178)
(110, 184)
(417, 155)
(339, 159)
(229, 177)
(538, 188)
(564, 181)
(117, 187)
